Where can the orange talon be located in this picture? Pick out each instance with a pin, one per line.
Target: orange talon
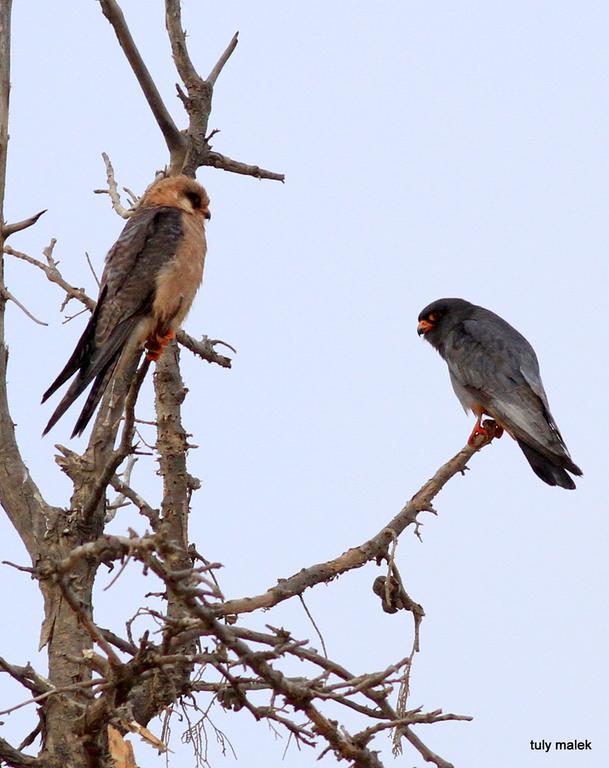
(490, 429)
(153, 354)
(156, 344)
(164, 340)
(477, 430)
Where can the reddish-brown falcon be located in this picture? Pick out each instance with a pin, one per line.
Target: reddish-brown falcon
(150, 279)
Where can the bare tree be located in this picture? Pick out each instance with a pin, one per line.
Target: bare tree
(101, 684)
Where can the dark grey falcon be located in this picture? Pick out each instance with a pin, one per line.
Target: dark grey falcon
(494, 371)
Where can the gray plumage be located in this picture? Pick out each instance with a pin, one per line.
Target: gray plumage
(494, 370)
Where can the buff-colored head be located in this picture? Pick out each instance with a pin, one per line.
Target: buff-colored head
(179, 192)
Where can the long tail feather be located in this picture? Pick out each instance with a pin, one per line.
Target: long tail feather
(97, 390)
(84, 350)
(551, 472)
(77, 387)
(102, 362)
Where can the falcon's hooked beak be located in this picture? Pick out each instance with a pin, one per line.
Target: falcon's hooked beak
(423, 327)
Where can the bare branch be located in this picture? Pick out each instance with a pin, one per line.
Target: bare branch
(315, 627)
(177, 38)
(123, 645)
(128, 493)
(197, 103)
(134, 198)
(300, 697)
(172, 446)
(415, 717)
(85, 619)
(125, 447)
(112, 191)
(14, 758)
(5, 89)
(219, 66)
(27, 676)
(121, 499)
(93, 272)
(53, 274)
(33, 735)
(189, 150)
(8, 296)
(82, 685)
(19, 495)
(102, 549)
(299, 692)
(173, 138)
(216, 160)
(204, 348)
(18, 226)
(423, 749)
(373, 549)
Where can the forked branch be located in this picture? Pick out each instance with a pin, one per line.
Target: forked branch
(173, 138)
(189, 149)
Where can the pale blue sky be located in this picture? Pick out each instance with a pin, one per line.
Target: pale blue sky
(430, 149)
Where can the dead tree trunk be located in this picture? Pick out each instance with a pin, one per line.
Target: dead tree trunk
(101, 684)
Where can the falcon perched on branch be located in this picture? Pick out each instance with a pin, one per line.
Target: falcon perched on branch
(494, 371)
(150, 279)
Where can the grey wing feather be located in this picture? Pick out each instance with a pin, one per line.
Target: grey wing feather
(498, 368)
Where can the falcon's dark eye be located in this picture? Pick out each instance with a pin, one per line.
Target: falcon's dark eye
(433, 317)
(195, 199)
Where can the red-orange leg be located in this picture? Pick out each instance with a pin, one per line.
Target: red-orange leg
(477, 430)
(157, 344)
